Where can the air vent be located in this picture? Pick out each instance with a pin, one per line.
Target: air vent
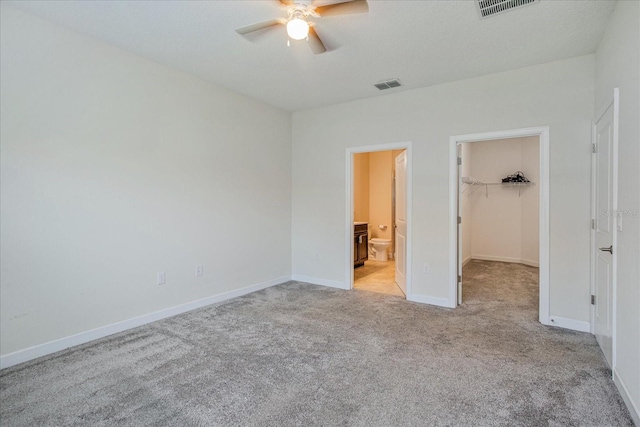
(388, 84)
(493, 7)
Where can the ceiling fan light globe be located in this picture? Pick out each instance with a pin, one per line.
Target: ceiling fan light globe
(298, 29)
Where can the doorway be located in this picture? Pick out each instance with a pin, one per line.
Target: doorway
(457, 253)
(378, 218)
(499, 224)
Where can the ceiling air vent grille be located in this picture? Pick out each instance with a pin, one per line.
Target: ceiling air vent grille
(492, 7)
(388, 84)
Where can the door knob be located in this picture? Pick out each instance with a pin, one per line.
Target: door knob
(609, 249)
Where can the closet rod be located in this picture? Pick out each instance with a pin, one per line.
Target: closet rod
(472, 182)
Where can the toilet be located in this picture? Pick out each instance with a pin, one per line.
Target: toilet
(378, 248)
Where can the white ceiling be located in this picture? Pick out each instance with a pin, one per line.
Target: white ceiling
(421, 42)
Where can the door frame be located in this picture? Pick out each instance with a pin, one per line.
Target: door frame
(615, 102)
(350, 151)
(542, 133)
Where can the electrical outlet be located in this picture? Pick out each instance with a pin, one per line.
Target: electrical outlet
(426, 269)
(199, 269)
(161, 278)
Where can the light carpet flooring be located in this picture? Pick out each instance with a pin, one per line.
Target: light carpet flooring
(377, 276)
(305, 355)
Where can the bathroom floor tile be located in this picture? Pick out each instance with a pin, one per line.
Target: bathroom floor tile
(377, 276)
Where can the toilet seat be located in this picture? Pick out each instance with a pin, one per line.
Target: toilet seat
(379, 241)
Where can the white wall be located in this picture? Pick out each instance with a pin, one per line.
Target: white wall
(115, 168)
(502, 221)
(530, 219)
(618, 65)
(558, 94)
(465, 206)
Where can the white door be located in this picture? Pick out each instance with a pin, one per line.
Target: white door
(401, 221)
(603, 229)
(459, 229)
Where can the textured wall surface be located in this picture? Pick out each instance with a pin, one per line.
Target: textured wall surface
(558, 94)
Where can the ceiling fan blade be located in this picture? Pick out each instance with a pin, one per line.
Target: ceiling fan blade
(258, 26)
(352, 6)
(315, 43)
(287, 2)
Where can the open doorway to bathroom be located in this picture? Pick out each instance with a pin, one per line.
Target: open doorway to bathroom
(379, 221)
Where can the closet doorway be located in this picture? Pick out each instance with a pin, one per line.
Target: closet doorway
(499, 186)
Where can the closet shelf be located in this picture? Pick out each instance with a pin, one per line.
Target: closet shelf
(474, 182)
(510, 184)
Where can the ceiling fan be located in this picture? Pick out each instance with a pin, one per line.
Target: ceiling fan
(297, 22)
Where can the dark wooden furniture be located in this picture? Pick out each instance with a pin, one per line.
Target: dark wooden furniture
(360, 244)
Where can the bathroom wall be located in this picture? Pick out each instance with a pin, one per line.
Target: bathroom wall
(504, 222)
(373, 191)
(361, 187)
(380, 193)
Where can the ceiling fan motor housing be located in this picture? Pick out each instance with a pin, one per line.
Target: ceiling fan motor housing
(301, 11)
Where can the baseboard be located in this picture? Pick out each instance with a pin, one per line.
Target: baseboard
(576, 325)
(506, 259)
(626, 396)
(321, 282)
(50, 347)
(466, 261)
(530, 263)
(425, 299)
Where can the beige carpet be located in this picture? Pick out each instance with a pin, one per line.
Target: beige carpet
(304, 355)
